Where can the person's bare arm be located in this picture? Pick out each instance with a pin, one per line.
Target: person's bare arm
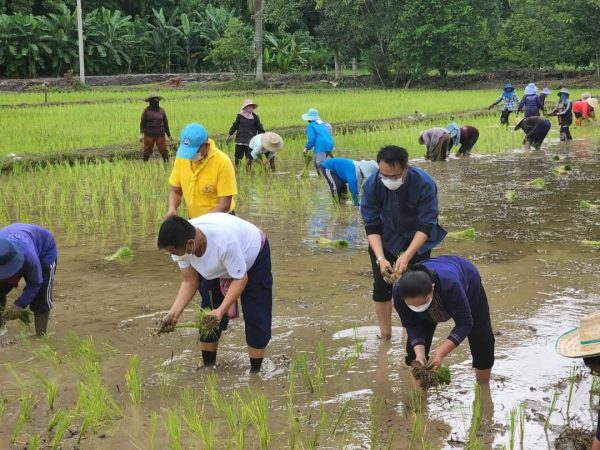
(188, 288)
(175, 195)
(224, 205)
(377, 246)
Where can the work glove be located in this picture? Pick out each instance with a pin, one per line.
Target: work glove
(167, 324)
(141, 138)
(12, 313)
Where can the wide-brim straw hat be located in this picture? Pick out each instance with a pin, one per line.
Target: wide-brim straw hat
(583, 341)
(518, 122)
(271, 142)
(153, 95)
(12, 259)
(249, 102)
(593, 102)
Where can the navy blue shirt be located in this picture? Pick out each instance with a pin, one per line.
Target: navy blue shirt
(398, 215)
(532, 105)
(457, 296)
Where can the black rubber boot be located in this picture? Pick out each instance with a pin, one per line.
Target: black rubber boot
(40, 320)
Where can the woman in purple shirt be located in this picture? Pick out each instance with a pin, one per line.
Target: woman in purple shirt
(437, 290)
(27, 251)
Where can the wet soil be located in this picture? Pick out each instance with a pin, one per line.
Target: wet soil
(539, 282)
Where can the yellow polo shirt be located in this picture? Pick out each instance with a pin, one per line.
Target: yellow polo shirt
(203, 182)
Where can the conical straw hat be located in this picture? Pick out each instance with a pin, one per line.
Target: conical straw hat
(583, 341)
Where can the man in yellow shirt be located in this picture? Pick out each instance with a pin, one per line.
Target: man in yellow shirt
(205, 178)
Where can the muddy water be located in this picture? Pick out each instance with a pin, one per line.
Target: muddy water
(539, 280)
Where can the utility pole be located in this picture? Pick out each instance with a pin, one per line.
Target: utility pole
(80, 34)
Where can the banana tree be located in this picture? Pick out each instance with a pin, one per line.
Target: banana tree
(162, 39)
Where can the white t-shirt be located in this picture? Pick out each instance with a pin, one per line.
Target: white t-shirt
(256, 145)
(232, 245)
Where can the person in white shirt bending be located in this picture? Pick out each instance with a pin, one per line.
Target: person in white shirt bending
(219, 245)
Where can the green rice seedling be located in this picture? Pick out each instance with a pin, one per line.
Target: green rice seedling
(133, 380)
(3, 403)
(315, 440)
(474, 443)
(230, 410)
(305, 371)
(573, 375)
(306, 169)
(593, 244)
(258, 413)
(122, 254)
(374, 425)
(390, 440)
(551, 408)
(51, 388)
(537, 183)
(336, 243)
(320, 369)
(24, 416)
(173, 428)
(512, 427)
(243, 425)
(60, 424)
(292, 377)
(522, 418)
(84, 350)
(584, 204)
(511, 196)
(339, 417)
(205, 322)
(153, 429)
(467, 233)
(211, 392)
(417, 421)
(48, 352)
(35, 443)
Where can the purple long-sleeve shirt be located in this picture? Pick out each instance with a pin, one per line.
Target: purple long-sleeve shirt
(39, 248)
(457, 295)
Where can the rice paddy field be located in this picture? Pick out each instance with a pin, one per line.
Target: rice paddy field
(101, 380)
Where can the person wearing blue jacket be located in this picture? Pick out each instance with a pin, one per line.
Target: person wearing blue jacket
(343, 174)
(29, 252)
(318, 137)
(399, 208)
(530, 102)
(435, 291)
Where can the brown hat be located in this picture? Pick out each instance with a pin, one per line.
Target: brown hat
(271, 141)
(153, 95)
(583, 341)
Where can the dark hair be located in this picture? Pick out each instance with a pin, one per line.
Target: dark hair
(393, 155)
(415, 283)
(593, 362)
(175, 231)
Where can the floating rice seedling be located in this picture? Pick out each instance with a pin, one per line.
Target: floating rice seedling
(337, 243)
(593, 244)
(24, 416)
(122, 254)
(429, 377)
(584, 204)
(511, 196)
(537, 183)
(467, 233)
(562, 170)
(133, 380)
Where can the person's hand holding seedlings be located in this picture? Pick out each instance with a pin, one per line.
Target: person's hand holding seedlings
(167, 324)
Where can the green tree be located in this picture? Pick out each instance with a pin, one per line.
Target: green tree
(234, 50)
(162, 39)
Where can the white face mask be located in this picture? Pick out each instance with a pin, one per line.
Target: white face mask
(392, 184)
(420, 308)
(183, 258)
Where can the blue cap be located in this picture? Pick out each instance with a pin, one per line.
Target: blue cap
(192, 137)
(312, 114)
(11, 259)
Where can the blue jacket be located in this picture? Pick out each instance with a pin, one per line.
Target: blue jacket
(398, 215)
(318, 137)
(345, 169)
(458, 295)
(532, 105)
(39, 248)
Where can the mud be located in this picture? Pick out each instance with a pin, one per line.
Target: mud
(574, 439)
(538, 278)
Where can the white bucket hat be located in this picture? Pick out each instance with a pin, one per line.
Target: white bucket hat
(583, 341)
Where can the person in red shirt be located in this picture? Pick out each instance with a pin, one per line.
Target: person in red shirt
(154, 125)
(584, 109)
